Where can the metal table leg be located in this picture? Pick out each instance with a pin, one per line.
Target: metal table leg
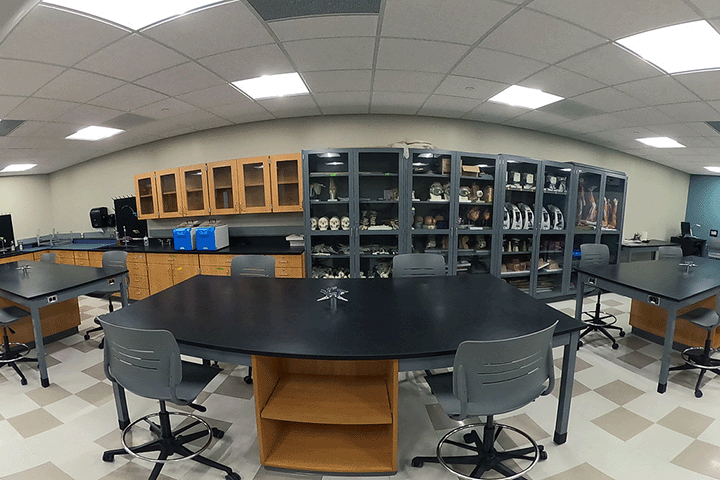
(39, 345)
(566, 385)
(667, 347)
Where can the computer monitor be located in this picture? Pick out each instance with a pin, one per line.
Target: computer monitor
(685, 229)
(6, 231)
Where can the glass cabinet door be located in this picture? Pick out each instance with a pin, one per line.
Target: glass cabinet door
(286, 182)
(168, 193)
(552, 220)
(475, 214)
(193, 183)
(612, 210)
(330, 219)
(146, 196)
(431, 201)
(222, 181)
(254, 183)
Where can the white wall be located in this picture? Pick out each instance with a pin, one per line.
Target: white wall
(27, 199)
(657, 195)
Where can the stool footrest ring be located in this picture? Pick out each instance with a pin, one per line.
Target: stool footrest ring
(14, 355)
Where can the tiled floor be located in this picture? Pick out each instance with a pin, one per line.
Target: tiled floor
(620, 428)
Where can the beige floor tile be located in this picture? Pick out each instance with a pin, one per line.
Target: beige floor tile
(686, 422)
(700, 457)
(619, 392)
(633, 341)
(96, 371)
(45, 396)
(578, 388)
(441, 421)
(265, 474)
(34, 422)
(135, 470)
(97, 394)
(637, 359)
(235, 387)
(46, 470)
(622, 423)
(583, 471)
(580, 364)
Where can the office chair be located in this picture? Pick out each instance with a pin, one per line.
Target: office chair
(669, 252)
(147, 363)
(252, 266)
(597, 321)
(701, 357)
(114, 258)
(714, 247)
(491, 377)
(418, 265)
(48, 257)
(12, 353)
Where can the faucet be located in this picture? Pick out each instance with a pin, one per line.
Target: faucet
(691, 232)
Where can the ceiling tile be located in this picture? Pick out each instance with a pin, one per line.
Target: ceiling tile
(469, 88)
(65, 86)
(618, 18)
(692, 111)
(702, 128)
(51, 35)
(497, 66)
(331, 53)
(200, 120)
(704, 84)
(86, 115)
(494, 112)
(213, 96)
(446, 106)
(674, 130)
(41, 109)
(611, 65)
(457, 21)
(657, 91)
(343, 103)
(535, 119)
(418, 55)
(248, 63)
(121, 59)
(609, 100)
(597, 123)
(695, 142)
(296, 106)
(644, 117)
(181, 79)
(711, 8)
(24, 78)
(242, 112)
(411, 82)
(338, 80)
(169, 107)
(128, 97)
(541, 37)
(324, 27)
(559, 81)
(8, 103)
(397, 102)
(233, 26)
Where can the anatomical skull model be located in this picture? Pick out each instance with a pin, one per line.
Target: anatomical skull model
(313, 223)
(345, 223)
(436, 191)
(323, 223)
(334, 223)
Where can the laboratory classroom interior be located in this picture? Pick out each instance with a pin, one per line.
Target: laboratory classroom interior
(377, 77)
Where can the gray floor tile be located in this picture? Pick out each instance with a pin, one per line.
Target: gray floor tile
(622, 423)
(46, 470)
(686, 421)
(33, 422)
(619, 392)
(700, 457)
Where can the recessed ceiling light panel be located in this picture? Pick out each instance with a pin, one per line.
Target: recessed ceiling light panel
(683, 48)
(134, 14)
(660, 142)
(94, 133)
(713, 169)
(269, 86)
(18, 167)
(518, 96)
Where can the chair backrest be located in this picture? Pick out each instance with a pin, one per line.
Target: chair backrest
(418, 265)
(48, 257)
(114, 258)
(145, 362)
(496, 376)
(594, 254)
(670, 252)
(714, 247)
(252, 266)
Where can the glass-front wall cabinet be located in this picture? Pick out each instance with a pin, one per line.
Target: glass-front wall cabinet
(613, 205)
(286, 182)
(169, 199)
(222, 179)
(552, 223)
(193, 181)
(254, 178)
(146, 196)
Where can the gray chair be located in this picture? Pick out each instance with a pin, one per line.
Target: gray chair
(701, 357)
(147, 363)
(12, 353)
(418, 265)
(669, 252)
(48, 257)
(491, 377)
(252, 266)
(111, 259)
(713, 247)
(597, 320)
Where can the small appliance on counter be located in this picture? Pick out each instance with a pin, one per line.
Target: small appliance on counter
(212, 235)
(184, 235)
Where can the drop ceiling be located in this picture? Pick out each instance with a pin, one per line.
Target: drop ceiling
(60, 71)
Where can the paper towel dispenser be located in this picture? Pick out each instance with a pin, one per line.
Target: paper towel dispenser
(100, 218)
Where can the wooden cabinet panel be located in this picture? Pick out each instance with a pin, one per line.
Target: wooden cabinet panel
(18, 258)
(146, 196)
(64, 257)
(81, 255)
(136, 257)
(223, 187)
(216, 260)
(194, 190)
(138, 293)
(182, 272)
(160, 276)
(54, 318)
(95, 259)
(168, 188)
(166, 270)
(286, 171)
(288, 261)
(176, 258)
(283, 272)
(82, 262)
(254, 185)
(217, 270)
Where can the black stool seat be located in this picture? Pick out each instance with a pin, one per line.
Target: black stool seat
(12, 352)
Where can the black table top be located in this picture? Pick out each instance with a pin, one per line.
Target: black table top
(383, 319)
(42, 278)
(664, 278)
(649, 243)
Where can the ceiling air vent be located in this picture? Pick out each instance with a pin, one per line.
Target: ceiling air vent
(271, 10)
(714, 125)
(7, 126)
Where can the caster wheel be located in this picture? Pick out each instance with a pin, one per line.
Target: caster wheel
(87, 336)
(248, 380)
(541, 448)
(615, 346)
(232, 476)
(698, 394)
(217, 433)
(108, 457)
(467, 438)
(543, 455)
(580, 344)
(23, 381)
(417, 462)
(622, 333)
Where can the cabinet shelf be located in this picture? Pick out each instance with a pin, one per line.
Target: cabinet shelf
(388, 202)
(517, 253)
(523, 273)
(488, 178)
(377, 174)
(518, 232)
(431, 231)
(381, 255)
(431, 175)
(431, 202)
(328, 174)
(550, 272)
(474, 253)
(553, 232)
(329, 202)
(553, 192)
(475, 203)
(322, 255)
(330, 232)
(379, 232)
(551, 252)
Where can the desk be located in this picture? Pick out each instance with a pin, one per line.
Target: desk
(417, 322)
(662, 283)
(47, 283)
(690, 245)
(650, 246)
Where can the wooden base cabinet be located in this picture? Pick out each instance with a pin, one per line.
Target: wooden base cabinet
(55, 318)
(139, 286)
(166, 270)
(334, 416)
(652, 319)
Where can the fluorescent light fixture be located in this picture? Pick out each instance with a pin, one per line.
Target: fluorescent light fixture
(660, 142)
(713, 169)
(329, 155)
(518, 96)
(133, 14)
(269, 86)
(334, 164)
(687, 47)
(426, 155)
(18, 167)
(94, 133)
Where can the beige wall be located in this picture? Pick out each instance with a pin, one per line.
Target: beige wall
(28, 199)
(656, 194)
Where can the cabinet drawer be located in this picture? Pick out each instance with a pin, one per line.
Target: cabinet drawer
(282, 272)
(173, 258)
(95, 259)
(139, 281)
(82, 256)
(64, 257)
(82, 262)
(136, 257)
(138, 293)
(288, 261)
(215, 270)
(137, 269)
(216, 260)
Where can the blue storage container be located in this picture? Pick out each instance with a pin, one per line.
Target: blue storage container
(184, 238)
(212, 237)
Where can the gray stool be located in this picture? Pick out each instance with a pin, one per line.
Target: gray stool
(12, 353)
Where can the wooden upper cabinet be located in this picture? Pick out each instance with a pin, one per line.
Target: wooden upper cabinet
(168, 188)
(194, 190)
(146, 196)
(286, 174)
(254, 183)
(223, 191)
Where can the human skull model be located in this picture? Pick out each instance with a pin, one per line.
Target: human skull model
(436, 191)
(313, 223)
(323, 223)
(334, 223)
(345, 223)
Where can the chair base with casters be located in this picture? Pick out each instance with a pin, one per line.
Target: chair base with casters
(700, 358)
(486, 457)
(598, 322)
(13, 353)
(169, 442)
